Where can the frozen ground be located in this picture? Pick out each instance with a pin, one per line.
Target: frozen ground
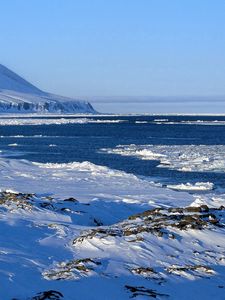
(89, 232)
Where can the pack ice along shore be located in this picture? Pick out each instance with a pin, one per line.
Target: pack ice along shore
(18, 95)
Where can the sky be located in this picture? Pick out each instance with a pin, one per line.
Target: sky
(116, 48)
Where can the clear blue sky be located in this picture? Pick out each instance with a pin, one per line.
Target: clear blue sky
(116, 47)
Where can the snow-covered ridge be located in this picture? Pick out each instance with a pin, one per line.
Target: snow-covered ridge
(18, 95)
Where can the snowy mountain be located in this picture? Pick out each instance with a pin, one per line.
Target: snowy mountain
(18, 95)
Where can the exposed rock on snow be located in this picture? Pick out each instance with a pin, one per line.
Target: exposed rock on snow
(159, 244)
(73, 269)
(48, 295)
(142, 291)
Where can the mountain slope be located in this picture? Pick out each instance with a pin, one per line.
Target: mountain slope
(18, 95)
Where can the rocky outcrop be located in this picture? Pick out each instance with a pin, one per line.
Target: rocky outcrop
(48, 106)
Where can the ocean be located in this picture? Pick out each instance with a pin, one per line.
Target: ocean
(194, 145)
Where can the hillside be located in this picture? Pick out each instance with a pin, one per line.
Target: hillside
(18, 95)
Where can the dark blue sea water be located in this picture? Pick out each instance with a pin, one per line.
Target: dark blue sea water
(82, 142)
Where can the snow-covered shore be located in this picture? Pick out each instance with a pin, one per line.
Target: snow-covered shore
(119, 235)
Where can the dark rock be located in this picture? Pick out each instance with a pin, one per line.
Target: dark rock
(71, 199)
(48, 295)
(142, 291)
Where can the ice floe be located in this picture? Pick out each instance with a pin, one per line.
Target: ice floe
(53, 121)
(198, 186)
(187, 158)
